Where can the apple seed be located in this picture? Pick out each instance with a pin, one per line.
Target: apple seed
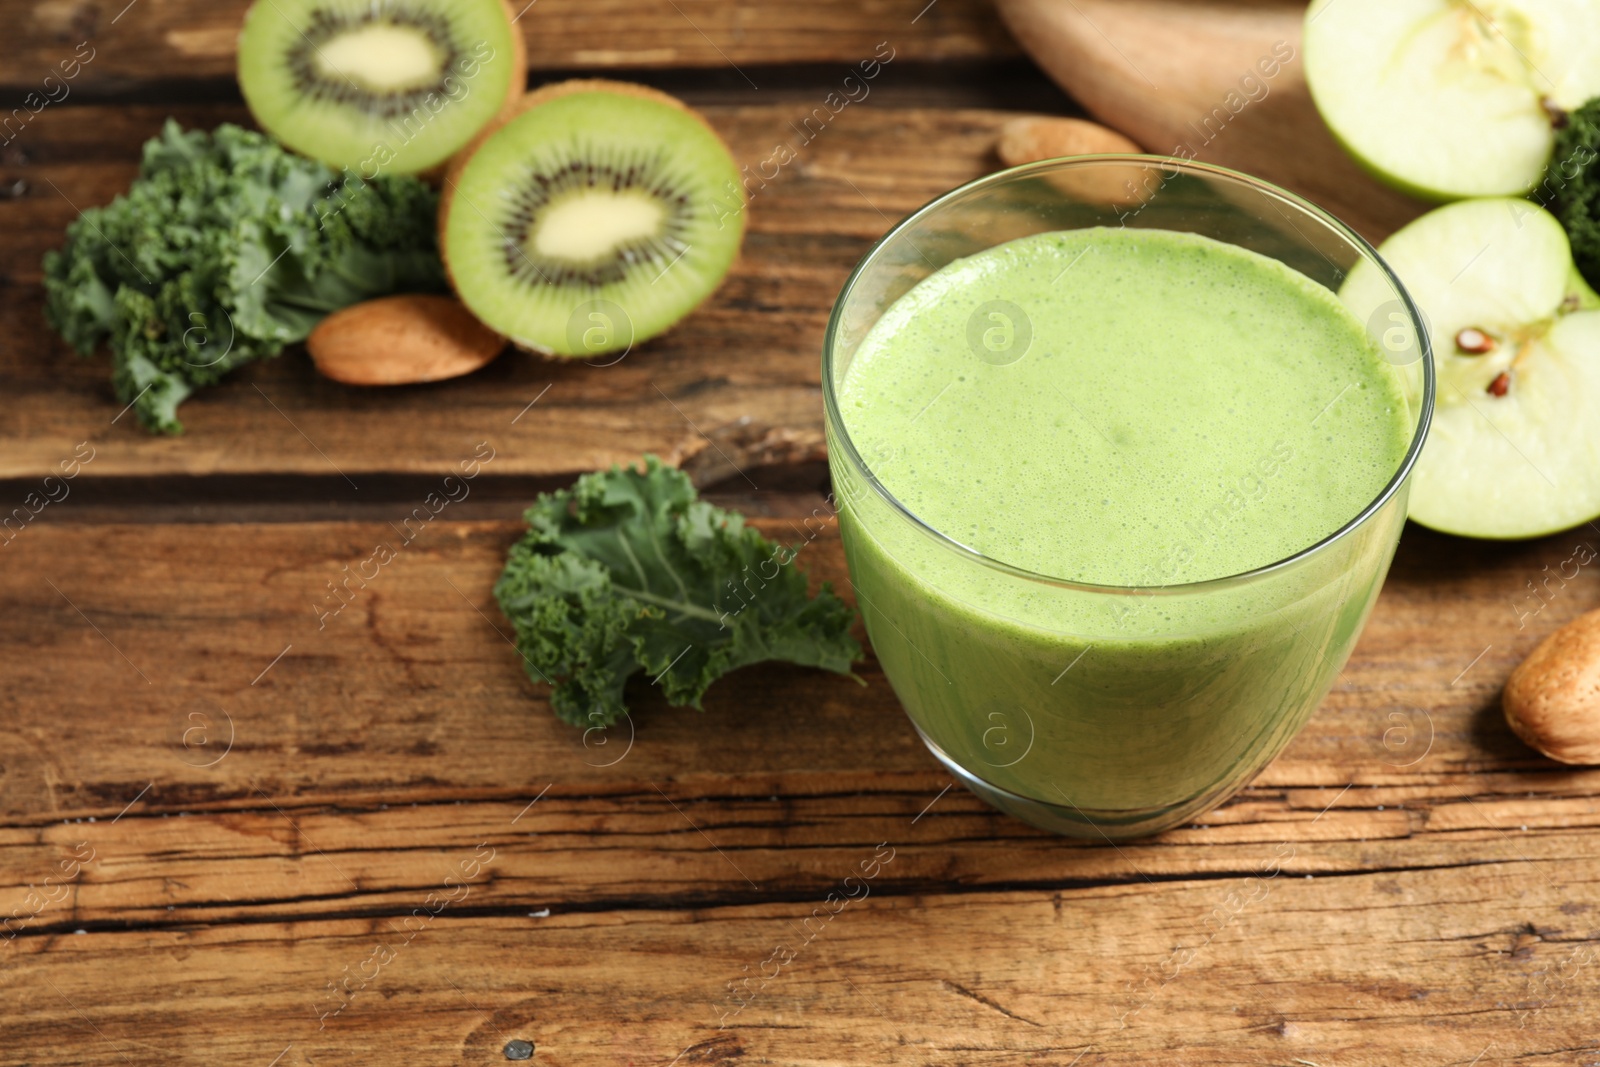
(1474, 342)
(1501, 384)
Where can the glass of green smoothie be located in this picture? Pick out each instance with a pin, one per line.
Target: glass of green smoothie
(1119, 476)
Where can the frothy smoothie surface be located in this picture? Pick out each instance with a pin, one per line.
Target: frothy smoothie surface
(1126, 407)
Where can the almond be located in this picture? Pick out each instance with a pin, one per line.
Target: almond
(1117, 185)
(1552, 700)
(1032, 139)
(397, 340)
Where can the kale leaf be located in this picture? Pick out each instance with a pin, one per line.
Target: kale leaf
(1571, 188)
(628, 571)
(225, 249)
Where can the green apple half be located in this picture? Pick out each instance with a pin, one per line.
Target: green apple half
(1515, 446)
(1447, 99)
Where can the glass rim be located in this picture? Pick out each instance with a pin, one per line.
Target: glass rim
(841, 434)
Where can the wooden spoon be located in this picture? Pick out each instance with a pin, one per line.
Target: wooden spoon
(1190, 78)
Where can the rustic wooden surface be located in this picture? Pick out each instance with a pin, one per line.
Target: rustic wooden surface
(265, 802)
(164, 40)
(751, 353)
(215, 812)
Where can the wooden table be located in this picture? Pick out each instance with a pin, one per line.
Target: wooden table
(230, 836)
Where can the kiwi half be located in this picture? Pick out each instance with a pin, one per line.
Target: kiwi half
(393, 86)
(595, 216)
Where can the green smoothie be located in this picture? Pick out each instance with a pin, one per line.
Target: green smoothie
(1128, 408)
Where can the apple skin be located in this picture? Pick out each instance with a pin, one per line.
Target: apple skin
(1578, 286)
(1443, 100)
(1399, 184)
(1499, 465)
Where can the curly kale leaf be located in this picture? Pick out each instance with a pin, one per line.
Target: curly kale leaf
(1571, 188)
(629, 572)
(225, 249)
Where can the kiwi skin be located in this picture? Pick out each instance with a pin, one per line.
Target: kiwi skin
(514, 93)
(518, 89)
(543, 95)
(519, 65)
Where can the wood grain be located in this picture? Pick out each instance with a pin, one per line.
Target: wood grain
(1418, 967)
(260, 748)
(752, 353)
(231, 832)
(179, 40)
(685, 843)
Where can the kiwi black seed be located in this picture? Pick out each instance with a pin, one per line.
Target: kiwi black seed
(596, 217)
(379, 86)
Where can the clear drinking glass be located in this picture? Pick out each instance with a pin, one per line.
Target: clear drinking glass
(1163, 700)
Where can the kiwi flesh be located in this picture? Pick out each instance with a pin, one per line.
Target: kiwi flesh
(593, 216)
(379, 86)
